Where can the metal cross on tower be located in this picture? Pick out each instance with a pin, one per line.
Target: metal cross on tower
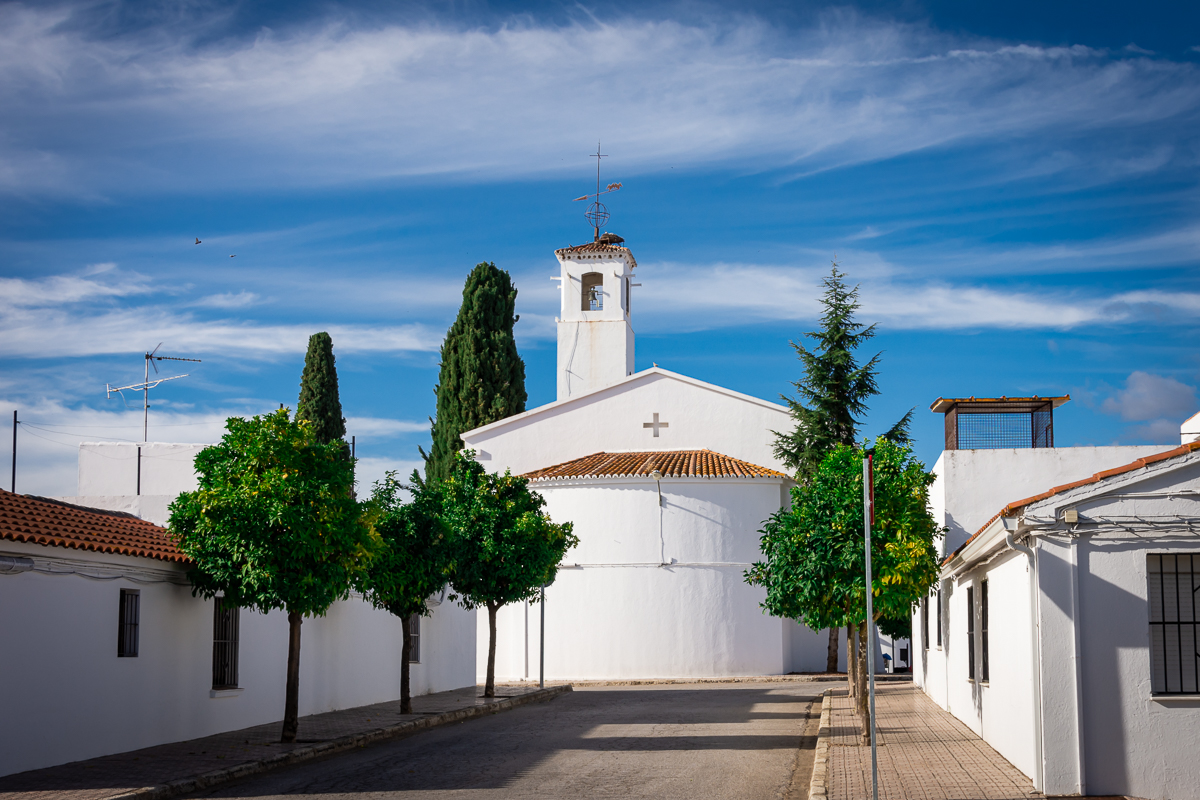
(596, 214)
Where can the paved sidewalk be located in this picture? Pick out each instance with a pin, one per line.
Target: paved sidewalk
(150, 772)
(924, 754)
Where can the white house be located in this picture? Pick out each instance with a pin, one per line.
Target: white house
(1064, 627)
(106, 650)
(667, 480)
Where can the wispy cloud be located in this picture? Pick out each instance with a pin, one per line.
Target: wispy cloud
(241, 299)
(65, 316)
(695, 297)
(333, 102)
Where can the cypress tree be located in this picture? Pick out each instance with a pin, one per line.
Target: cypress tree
(319, 404)
(482, 378)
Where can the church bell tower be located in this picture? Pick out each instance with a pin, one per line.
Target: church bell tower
(595, 333)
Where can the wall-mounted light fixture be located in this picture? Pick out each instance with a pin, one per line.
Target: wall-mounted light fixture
(657, 482)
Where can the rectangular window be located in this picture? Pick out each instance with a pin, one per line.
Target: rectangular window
(983, 631)
(971, 633)
(939, 618)
(1173, 583)
(225, 645)
(127, 623)
(925, 623)
(414, 639)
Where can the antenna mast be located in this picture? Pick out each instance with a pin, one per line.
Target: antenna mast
(146, 385)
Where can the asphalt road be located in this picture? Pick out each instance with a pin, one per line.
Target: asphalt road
(743, 741)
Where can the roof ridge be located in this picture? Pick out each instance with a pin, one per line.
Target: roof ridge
(1136, 464)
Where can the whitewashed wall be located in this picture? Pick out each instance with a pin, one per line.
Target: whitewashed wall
(972, 485)
(70, 697)
(641, 603)
(1105, 733)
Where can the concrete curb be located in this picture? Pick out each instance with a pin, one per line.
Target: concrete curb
(321, 749)
(818, 787)
(905, 678)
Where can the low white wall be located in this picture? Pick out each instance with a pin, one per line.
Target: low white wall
(646, 601)
(70, 697)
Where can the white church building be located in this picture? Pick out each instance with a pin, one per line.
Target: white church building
(667, 481)
(1064, 628)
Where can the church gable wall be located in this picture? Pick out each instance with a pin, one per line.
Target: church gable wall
(615, 420)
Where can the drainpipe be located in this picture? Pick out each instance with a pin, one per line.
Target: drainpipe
(1011, 525)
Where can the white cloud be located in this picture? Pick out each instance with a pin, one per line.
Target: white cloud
(229, 300)
(72, 315)
(382, 428)
(1152, 397)
(699, 297)
(375, 469)
(331, 102)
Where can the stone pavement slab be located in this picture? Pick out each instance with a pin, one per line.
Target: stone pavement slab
(168, 769)
(924, 753)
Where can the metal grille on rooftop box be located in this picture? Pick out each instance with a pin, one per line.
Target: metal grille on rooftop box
(998, 423)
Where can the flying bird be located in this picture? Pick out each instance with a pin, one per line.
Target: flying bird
(197, 241)
(234, 255)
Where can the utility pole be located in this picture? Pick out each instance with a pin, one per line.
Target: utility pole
(542, 643)
(13, 486)
(868, 518)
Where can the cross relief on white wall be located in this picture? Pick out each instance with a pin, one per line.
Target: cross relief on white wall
(656, 425)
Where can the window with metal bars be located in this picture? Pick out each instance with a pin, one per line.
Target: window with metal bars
(939, 618)
(128, 618)
(225, 645)
(983, 632)
(1173, 582)
(414, 639)
(925, 623)
(971, 633)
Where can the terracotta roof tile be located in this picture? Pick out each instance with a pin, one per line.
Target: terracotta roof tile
(671, 463)
(594, 247)
(1017, 505)
(54, 524)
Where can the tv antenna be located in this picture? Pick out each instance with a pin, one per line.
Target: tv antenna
(596, 214)
(146, 385)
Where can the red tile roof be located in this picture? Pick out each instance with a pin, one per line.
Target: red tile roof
(594, 247)
(54, 524)
(1015, 506)
(671, 463)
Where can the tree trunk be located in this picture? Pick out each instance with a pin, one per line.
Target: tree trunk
(291, 703)
(489, 688)
(405, 656)
(851, 661)
(831, 655)
(864, 707)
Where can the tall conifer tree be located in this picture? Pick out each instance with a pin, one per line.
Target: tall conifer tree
(319, 404)
(482, 377)
(832, 395)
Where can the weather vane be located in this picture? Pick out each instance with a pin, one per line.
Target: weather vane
(597, 214)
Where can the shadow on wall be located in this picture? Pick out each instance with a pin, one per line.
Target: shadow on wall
(1111, 619)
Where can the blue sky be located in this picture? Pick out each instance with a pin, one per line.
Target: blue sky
(1015, 190)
